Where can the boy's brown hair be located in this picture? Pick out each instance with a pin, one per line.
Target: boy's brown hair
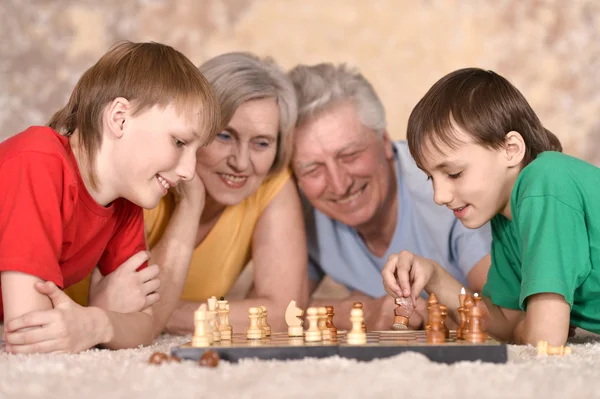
(147, 74)
(484, 105)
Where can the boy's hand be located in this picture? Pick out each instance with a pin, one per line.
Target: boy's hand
(126, 290)
(192, 192)
(406, 274)
(68, 327)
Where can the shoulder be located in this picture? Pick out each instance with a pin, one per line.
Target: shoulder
(553, 175)
(269, 189)
(413, 178)
(38, 146)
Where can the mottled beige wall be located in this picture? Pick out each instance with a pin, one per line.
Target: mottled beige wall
(549, 49)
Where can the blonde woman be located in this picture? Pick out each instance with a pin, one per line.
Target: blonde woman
(249, 205)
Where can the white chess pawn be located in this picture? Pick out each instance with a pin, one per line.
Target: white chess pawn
(313, 333)
(265, 323)
(356, 336)
(224, 326)
(254, 331)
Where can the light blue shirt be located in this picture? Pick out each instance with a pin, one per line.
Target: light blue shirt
(423, 228)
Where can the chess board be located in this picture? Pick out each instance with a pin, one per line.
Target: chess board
(380, 344)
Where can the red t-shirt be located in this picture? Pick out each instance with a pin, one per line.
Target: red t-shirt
(50, 226)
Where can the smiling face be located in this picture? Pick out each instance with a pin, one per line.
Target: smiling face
(472, 180)
(237, 162)
(343, 168)
(156, 149)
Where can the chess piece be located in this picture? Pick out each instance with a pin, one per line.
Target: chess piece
(402, 313)
(431, 302)
(212, 317)
(158, 358)
(359, 305)
(435, 333)
(202, 335)
(444, 314)
(260, 321)
(463, 318)
(209, 359)
(357, 336)
(476, 299)
(467, 311)
(265, 323)
(322, 324)
(475, 333)
(313, 333)
(329, 322)
(223, 315)
(254, 331)
(544, 348)
(293, 320)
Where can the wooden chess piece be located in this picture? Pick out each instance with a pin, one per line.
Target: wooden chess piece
(322, 323)
(313, 333)
(254, 331)
(431, 302)
(463, 319)
(202, 335)
(329, 322)
(224, 325)
(356, 336)
(476, 299)
(467, 311)
(435, 333)
(265, 323)
(359, 305)
(209, 359)
(544, 348)
(293, 320)
(444, 314)
(475, 333)
(402, 313)
(212, 317)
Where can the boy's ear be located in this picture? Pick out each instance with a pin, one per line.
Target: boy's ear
(514, 145)
(116, 115)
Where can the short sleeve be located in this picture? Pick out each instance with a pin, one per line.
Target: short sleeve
(503, 282)
(128, 239)
(555, 244)
(469, 246)
(35, 200)
(270, 188)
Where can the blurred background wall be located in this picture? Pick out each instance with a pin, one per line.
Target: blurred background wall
(549, 49)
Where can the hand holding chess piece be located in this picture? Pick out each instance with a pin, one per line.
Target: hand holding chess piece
(402, 313)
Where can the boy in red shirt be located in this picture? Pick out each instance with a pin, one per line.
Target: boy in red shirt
(73, 192)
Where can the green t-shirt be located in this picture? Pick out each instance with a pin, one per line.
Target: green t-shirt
(552, 244)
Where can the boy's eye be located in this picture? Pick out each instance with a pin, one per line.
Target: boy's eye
(455, 175)
(179, 143)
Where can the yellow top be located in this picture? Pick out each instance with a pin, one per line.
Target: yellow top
(221, 256)
(225, 251)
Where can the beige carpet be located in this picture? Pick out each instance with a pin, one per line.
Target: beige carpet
(126, 374)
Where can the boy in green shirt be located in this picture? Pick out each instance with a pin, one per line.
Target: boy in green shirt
(489, 158)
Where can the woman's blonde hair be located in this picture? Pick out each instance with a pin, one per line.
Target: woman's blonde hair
(238, 77)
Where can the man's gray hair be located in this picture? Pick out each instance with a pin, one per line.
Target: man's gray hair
(322, 86)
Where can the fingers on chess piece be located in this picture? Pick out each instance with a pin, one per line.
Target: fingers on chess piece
(402, 313)
(160, 358)
(313, 333)
(544, 348)
(359, 305)
(357, 335)
(209, 359)
(293, 320)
